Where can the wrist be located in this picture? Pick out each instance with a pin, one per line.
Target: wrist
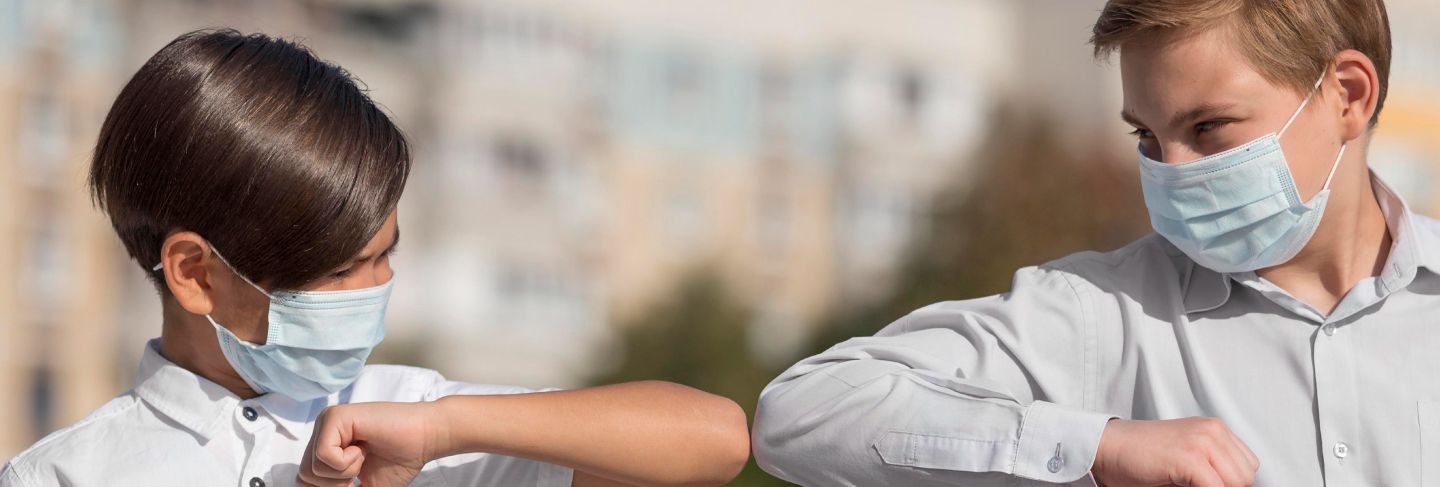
(1058, 444)
(1102, 457)
(439, 428)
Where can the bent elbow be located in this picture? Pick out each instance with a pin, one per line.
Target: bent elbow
(772, 435)
(731, 443)
(720, 440)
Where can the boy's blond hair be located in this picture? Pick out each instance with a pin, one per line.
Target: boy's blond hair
(1290, 42)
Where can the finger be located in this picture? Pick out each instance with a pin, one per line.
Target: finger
(1251, 460)
(306, 476)
(1227, 458)
(353, 458)
(357, 461)
(324, 463)
(1241, 464)
(1225, 461)
(335, 435)
(310, 479)
(1201, 474)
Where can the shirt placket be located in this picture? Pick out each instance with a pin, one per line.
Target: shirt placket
(255, 470)
(1337, 405)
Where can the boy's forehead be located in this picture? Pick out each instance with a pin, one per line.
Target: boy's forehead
(1168, 72)
(386, 237)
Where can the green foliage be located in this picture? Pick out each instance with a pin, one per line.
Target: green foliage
(1032, 200)
(698, 337)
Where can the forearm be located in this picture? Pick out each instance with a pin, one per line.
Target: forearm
(649, 433)
(833, 421)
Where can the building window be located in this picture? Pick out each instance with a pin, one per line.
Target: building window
(520, 158)
(42, 401)
(537, 295)
(911, 92)
(46, 136)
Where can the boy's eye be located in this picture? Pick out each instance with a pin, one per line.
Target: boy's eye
(1142, 133)
(343, 273)
(1209, 125)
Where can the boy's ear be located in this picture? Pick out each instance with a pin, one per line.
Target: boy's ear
(188, 270)
(1359, 90)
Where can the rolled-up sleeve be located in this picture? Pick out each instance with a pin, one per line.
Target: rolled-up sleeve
(976, 392)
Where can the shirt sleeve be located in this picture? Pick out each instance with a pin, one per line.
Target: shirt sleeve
(974, 392)
(10, 476)
(483, 469)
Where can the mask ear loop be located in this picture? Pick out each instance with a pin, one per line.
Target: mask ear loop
(1304, 102)
(211, 319)
(1293, 116)
(237, 273)
(247, 280)
(1335, 166)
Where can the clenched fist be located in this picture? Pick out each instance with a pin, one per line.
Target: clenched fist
(383, 444)
(1190, 452)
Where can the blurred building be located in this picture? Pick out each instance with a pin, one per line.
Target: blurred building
(1405, 148)
(61, 294)
(575, 158)
(601, 150)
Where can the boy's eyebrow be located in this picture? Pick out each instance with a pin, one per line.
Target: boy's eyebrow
(1183, 117)
(1130, 118)
(393, 244)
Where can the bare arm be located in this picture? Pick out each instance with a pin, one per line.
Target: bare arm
(650, 433)
(646, 433)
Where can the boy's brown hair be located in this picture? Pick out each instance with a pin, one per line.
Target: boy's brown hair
(1290, 42)
(266, 151)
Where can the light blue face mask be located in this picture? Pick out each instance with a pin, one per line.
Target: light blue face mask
(1238, 210)
(316, 344)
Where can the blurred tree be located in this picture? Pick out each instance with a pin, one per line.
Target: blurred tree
(1032, 200)
(697, 337)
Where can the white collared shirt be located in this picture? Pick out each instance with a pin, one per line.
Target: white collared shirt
(177, 428)
(1016, 389)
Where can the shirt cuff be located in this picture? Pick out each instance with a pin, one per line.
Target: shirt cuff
(1058, 444)
(552, 475)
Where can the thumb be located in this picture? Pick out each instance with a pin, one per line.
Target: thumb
(334, 444)
(1203, 475)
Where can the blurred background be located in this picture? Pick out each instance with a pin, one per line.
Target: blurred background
(610, 190)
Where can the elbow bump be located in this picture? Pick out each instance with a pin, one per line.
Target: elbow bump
(732, 441)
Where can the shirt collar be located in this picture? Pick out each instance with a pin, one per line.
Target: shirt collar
(193, 402)
(201, 406)
(1204, 289)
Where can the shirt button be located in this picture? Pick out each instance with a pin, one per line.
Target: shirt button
(1341, 449)
(1056, 462)
(1329, 330)
(250, 414)
(256, 482)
